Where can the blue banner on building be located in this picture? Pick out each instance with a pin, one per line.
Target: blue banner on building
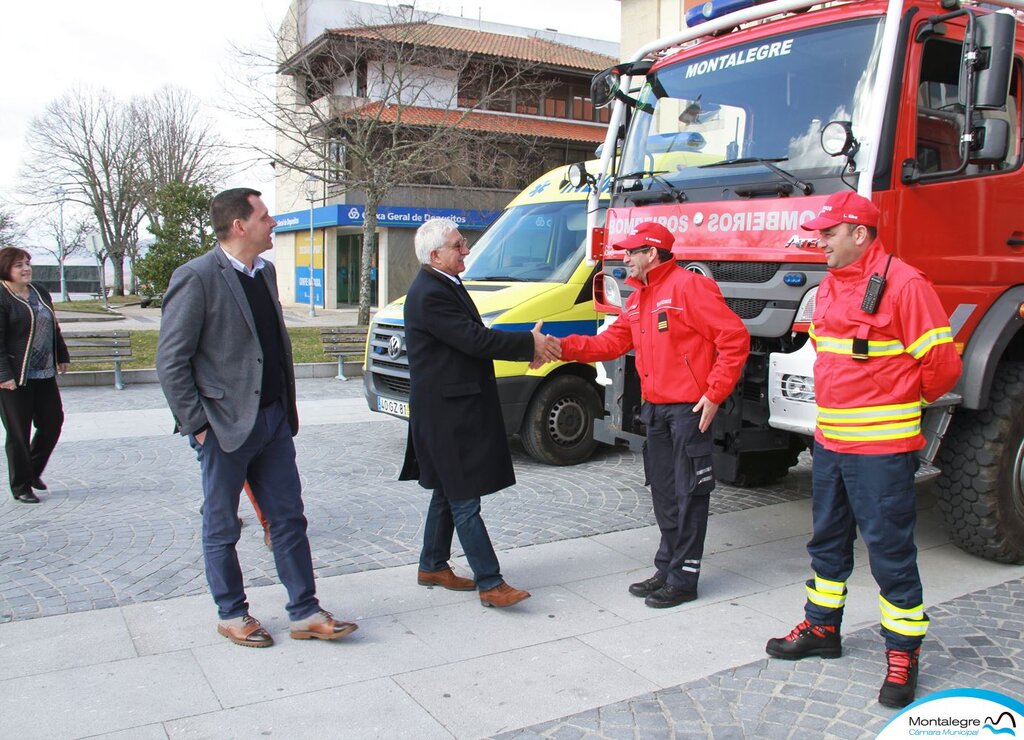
(302, 286)
(387, 217)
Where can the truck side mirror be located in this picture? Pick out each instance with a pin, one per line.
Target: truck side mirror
(990, 140)
(993, 40)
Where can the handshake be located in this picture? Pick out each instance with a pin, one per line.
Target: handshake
(546, 348)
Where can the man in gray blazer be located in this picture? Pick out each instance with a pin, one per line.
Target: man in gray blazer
(225, 364)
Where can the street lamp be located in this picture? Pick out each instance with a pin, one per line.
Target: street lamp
(61, 194)
(310, 186)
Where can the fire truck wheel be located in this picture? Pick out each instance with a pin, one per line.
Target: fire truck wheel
(558, 428)
(981, 490)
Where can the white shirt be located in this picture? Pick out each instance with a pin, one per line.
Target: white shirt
(257, 264)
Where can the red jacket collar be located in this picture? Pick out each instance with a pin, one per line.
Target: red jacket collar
(654, 276)
(863, 265)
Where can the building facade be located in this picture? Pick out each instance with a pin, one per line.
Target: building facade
(482, 109)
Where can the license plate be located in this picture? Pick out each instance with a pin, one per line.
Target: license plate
(393, 407)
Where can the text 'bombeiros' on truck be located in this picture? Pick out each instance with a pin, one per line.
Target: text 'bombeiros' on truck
(734, 131)
(528, 266)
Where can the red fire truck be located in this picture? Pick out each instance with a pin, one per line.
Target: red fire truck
(736, 130)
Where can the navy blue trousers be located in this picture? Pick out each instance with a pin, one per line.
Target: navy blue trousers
(445, 517)
(873, 493)
(677, 459)
(267, 461)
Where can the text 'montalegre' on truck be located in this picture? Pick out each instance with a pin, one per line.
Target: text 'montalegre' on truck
(734, 131)
(529, 265)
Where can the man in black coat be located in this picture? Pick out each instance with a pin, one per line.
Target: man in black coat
(457, 444)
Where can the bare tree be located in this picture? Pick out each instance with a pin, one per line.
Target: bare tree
(88, 142)
(68, 232)
(180, 146)
(110, 156)
(409, 114)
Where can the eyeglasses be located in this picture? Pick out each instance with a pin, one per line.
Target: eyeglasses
(459, 245)
(638, 250)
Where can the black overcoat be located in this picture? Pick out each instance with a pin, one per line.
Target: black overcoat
(456, 432)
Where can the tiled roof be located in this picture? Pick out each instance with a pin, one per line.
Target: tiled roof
(545, 128)
(528, 49)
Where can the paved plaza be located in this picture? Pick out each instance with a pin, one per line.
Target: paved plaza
(103, 602)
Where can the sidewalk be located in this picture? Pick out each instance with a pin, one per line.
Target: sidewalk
(432, 663)
(581, 658)
(134, 318)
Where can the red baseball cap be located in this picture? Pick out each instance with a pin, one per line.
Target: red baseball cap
(844, 207)
(647, 234)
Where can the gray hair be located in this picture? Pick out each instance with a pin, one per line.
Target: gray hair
(431, 236)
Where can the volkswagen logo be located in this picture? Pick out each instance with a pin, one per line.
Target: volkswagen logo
(394, 347)
(697, 268)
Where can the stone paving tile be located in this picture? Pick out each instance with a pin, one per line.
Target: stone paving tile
(120, 523)
(842, 697)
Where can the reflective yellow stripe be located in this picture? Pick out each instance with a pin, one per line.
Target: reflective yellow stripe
(933, 338)
(887, 412)
(840, 346)
(910, 622)
(872, 433)
(825, 593)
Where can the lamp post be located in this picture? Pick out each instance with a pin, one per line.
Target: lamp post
(309, 185)
(61, 195)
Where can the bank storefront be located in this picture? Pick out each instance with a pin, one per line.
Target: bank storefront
(337, 247)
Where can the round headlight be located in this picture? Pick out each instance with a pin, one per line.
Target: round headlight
(578, 175)
(612, 294)
(836, 138)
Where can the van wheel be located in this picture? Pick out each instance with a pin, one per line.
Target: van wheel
(981, 489)
(558, 428)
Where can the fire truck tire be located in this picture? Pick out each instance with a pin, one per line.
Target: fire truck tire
(558, 428)
(981, 490)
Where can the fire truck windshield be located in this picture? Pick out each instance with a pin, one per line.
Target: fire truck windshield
(765, 100)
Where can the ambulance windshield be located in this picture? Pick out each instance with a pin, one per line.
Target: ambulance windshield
(535, 242)
(763, 100)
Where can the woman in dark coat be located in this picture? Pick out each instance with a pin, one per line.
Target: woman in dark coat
(32, 352)
(457, 444)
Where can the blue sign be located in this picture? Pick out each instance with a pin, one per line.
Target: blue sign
(387, 217)
(302, 286)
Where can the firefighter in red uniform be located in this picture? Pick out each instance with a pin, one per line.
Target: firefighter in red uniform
(690, 349)
(884, 349)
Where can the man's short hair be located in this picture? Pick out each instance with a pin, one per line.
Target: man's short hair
(664, 255)
(228, 205)
(8, 256)
(431, 236)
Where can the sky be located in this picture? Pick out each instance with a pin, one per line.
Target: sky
(47, 47)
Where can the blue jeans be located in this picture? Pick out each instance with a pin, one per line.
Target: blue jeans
(267, 460)
(444, 518)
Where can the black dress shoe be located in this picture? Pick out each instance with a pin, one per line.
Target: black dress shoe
(646, 588)
(27, 498)
(668, 596)
(37, 483)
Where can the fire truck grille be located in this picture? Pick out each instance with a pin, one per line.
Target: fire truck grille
(745, 308)
(743, 272)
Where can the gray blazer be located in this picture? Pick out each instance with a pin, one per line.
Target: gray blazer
(208, 357)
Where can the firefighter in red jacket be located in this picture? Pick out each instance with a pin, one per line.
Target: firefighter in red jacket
(690, 349)
(884, 350)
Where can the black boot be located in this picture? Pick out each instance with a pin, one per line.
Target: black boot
(900, 678)
(668, 596)
(646, 588)
(807, 640)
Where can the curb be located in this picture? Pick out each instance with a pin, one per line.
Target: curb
(353, 369)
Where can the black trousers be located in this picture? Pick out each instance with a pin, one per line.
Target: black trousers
(35, 403)
(677, 459)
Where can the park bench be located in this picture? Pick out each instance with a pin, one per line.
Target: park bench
(343, 342)
(101, 346)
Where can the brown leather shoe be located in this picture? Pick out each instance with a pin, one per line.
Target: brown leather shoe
(503, 595)
(321, 626)
(248, 634)
(445, 579)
